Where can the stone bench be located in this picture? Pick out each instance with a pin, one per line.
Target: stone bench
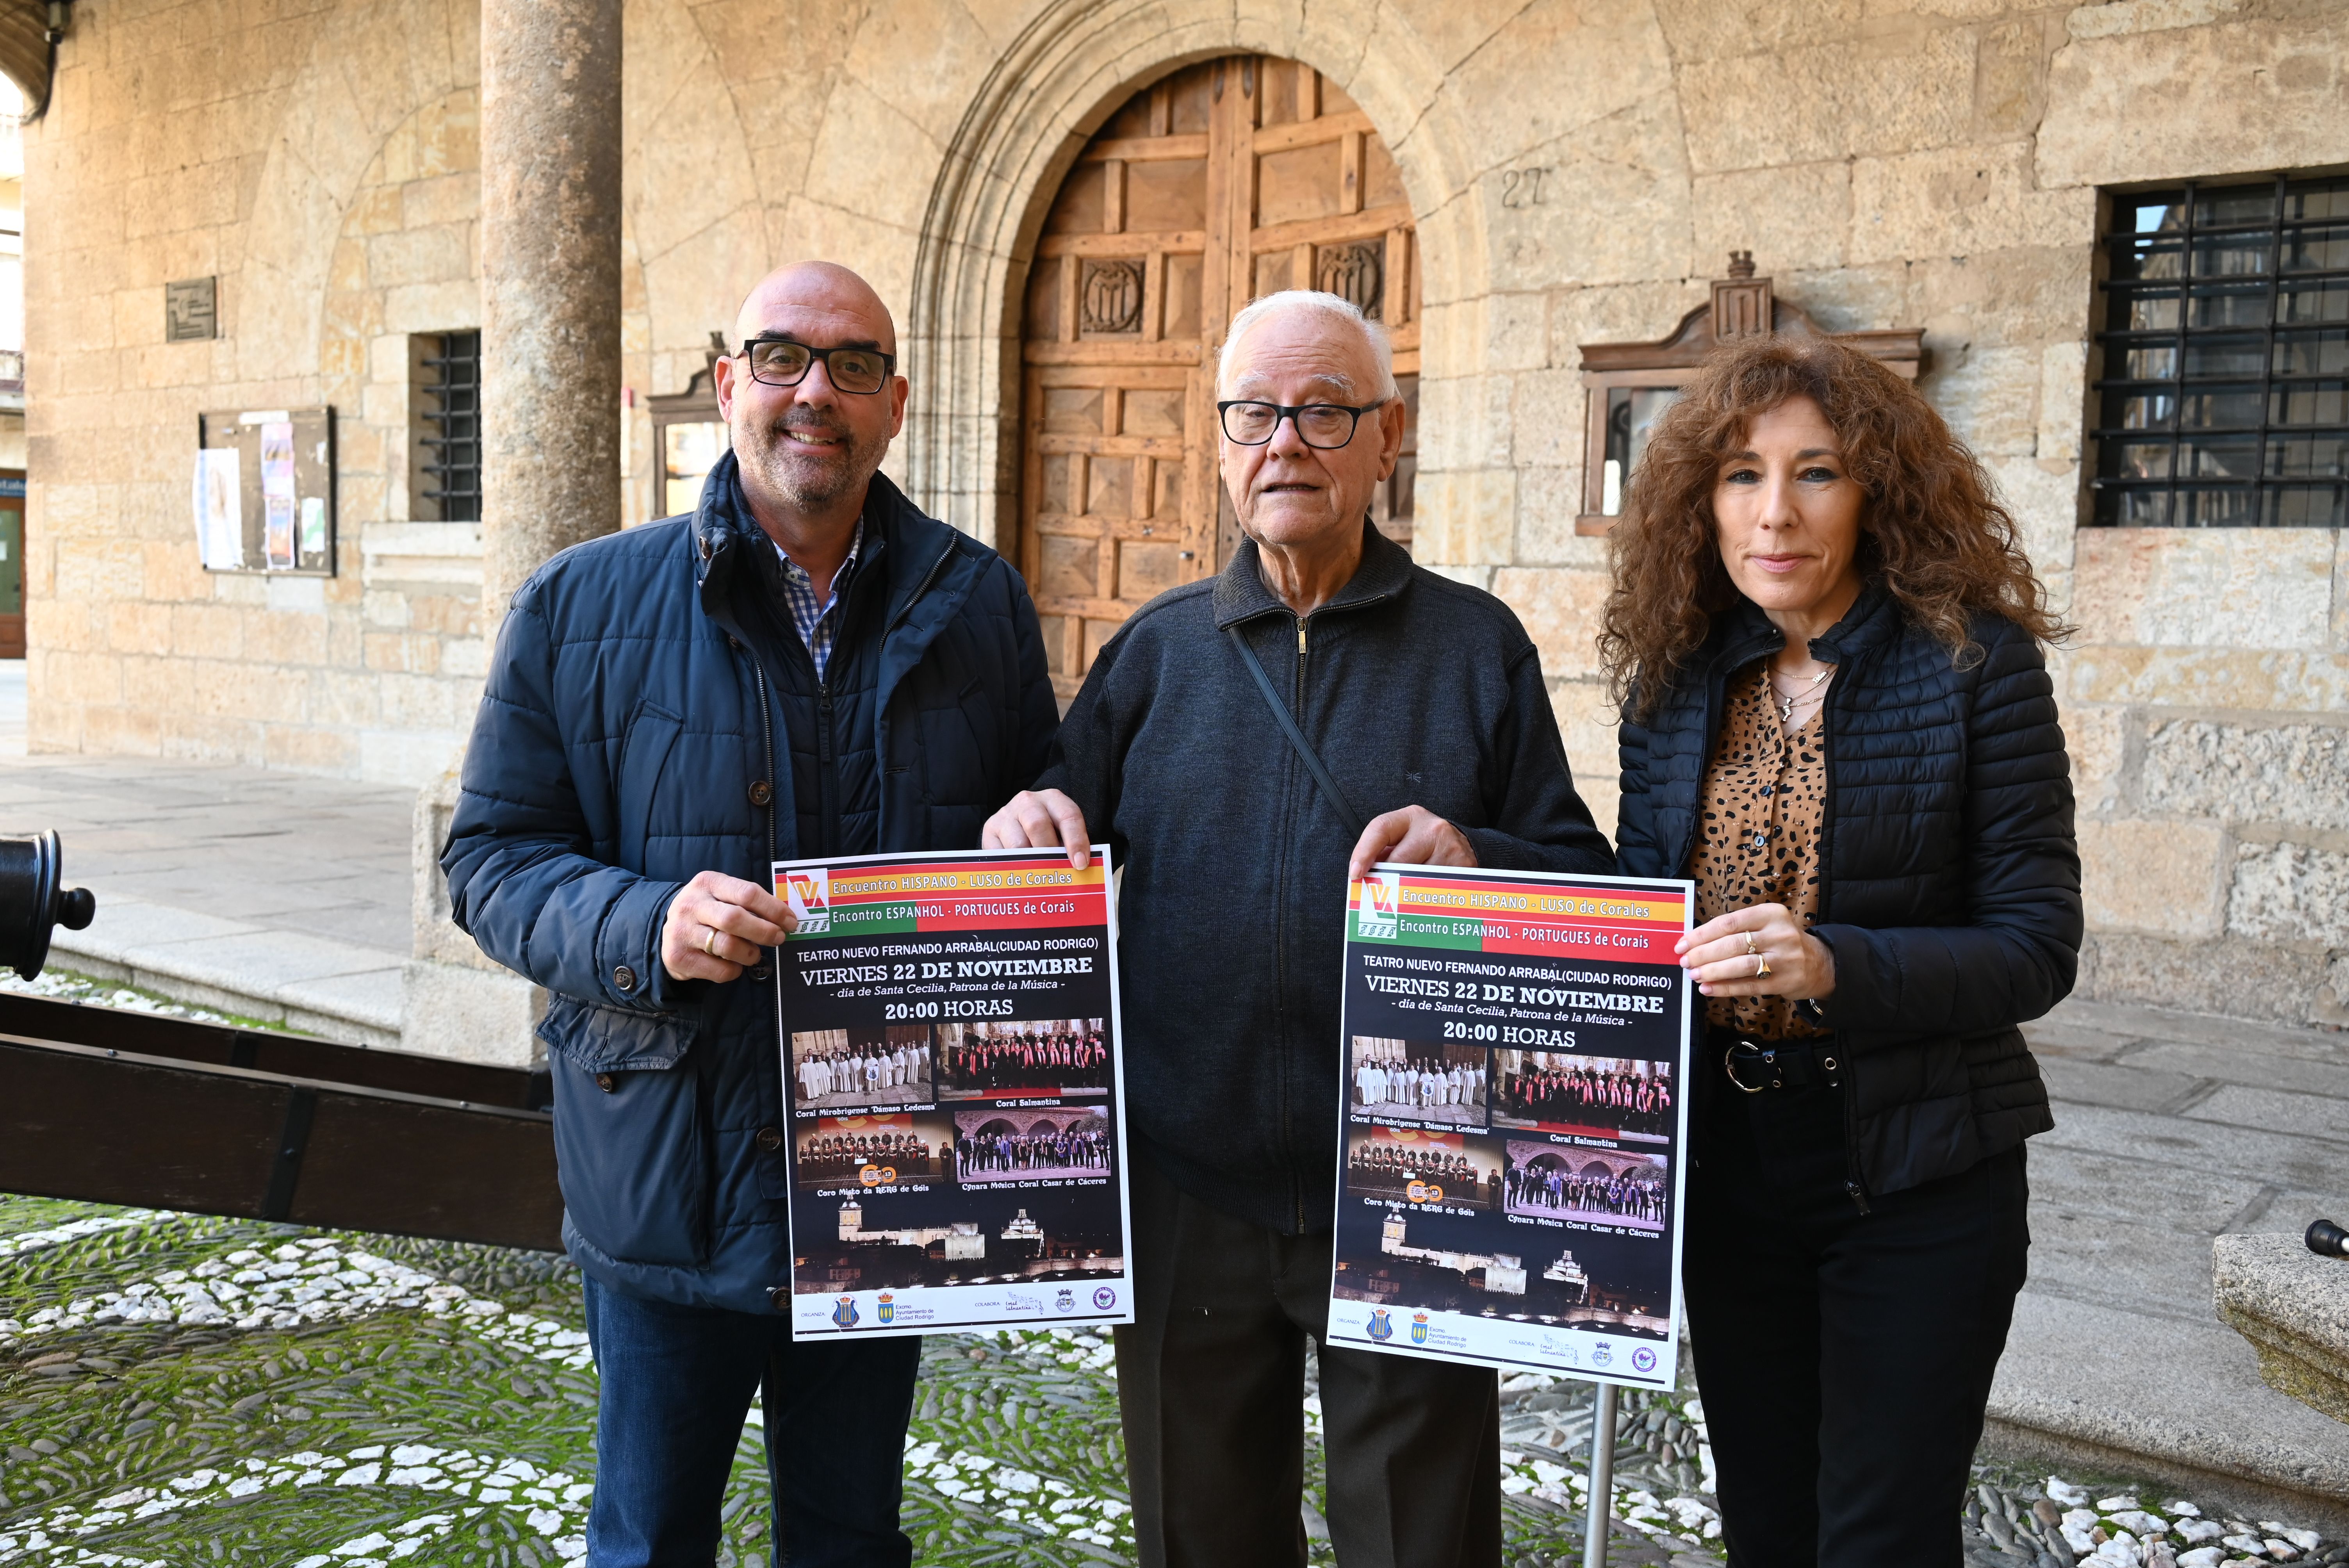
(2294, 1307)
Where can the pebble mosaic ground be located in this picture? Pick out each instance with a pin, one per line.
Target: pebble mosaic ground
(178, 1389)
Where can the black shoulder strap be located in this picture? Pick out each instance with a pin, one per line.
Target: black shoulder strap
(1305, 752)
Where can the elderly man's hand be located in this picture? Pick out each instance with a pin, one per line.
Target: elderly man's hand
(717, 925)
(1413, 836)
(1038, 819)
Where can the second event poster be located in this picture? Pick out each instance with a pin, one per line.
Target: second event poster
(1512, 1156)
(950, 1047)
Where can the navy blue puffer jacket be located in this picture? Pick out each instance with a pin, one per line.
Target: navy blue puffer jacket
(1951, 888)
(632, 735)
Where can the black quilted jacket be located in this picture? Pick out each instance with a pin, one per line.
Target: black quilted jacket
(1950, 893)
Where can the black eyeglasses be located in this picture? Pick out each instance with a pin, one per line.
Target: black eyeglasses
(780, 362)
(1325, 425)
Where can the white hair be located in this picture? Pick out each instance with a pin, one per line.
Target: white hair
(1332, 307)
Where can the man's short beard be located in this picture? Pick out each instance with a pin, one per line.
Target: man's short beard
(768, 454)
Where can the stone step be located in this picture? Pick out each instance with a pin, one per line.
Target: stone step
(337, 990)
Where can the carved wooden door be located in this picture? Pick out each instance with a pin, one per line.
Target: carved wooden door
(1224, 181)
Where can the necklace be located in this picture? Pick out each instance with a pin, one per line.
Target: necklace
(1788, 701)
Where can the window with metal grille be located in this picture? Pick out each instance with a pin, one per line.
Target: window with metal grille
(2224, 392)
(449, 410)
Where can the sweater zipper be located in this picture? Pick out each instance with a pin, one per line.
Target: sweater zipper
(1296, 1191)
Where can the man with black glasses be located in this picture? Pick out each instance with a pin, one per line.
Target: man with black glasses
(1421, 701)
(804, 666)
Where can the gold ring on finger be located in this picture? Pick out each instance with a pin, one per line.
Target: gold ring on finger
(1749, 943)
(708, 937)
(1761, 968)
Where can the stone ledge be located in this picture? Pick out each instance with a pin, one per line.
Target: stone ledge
(2293, 1307)
(334, 989)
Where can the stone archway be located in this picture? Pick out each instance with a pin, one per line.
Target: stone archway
(1052, 86)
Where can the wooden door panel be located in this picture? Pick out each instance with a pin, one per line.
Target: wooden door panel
(1224, 181)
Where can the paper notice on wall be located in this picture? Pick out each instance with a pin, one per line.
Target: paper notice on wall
(277, 458)
(314, 524)
(279, 532)
(220, 522)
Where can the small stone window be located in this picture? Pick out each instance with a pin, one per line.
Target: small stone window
(2223, 389)
(446, 376)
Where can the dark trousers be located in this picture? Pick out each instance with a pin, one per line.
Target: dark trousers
(677, 1383)
(1211, 1380)
(1844, 1358)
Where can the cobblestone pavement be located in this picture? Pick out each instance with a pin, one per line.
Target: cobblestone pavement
(176, 1389)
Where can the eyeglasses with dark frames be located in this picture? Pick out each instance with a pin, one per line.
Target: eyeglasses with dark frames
(785, 362)
(1323, 425)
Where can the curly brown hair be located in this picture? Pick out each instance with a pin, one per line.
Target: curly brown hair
(1932, 530)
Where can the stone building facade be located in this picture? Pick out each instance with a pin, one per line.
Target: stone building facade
(1573, 175)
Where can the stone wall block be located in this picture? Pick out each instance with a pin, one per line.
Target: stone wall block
(2153, 878)
(2208, 678)
(2289, 773)
(125, 732)
(1628, 162)
(2012, 294)
(1989, 393)
(1960, 202)
(1893, 93)
(442, 306)
(2228, 976)
(302, 748)
(2218, 587)
(1515, 328)
(1561, 609)
(2011, 76)
(2332, 1002)
(1602, 67)
(433, 254)
(2290, 892)
(2063, 400)
(1794, 217)
(2095, 744)
(1546, 419)
(1549, 500)
(690, 167)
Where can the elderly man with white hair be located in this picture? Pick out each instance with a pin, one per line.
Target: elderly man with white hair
(1245, 743)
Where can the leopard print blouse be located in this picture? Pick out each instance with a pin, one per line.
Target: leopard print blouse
(1764, 806)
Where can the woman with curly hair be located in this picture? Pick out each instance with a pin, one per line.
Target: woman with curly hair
(1837, 721)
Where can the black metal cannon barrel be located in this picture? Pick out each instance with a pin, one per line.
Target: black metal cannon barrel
(34, 901)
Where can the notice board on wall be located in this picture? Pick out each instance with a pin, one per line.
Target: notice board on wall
(263, 497)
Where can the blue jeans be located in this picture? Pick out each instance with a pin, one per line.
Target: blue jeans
(677, 1383)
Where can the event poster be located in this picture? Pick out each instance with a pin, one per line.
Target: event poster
(950, 1045)
(1511, 1146)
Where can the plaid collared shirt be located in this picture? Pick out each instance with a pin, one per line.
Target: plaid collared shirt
(819, 623)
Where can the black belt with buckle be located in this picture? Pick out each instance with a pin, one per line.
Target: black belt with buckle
(1757, 1065)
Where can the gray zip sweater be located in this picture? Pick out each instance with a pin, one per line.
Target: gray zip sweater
(1415, 690)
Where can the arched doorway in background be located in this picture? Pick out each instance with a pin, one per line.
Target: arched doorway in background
(1224, 181)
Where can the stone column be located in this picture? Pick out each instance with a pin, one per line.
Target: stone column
(551, 418)
(550, 284)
